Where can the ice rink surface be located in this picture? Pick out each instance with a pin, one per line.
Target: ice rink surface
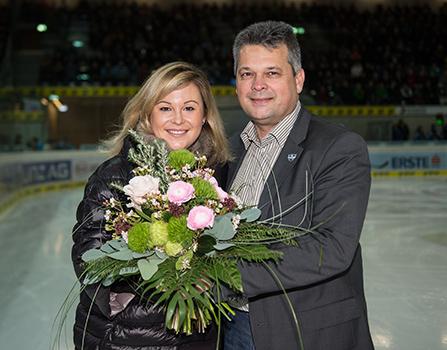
(404, 248)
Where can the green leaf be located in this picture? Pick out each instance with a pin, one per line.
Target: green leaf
(123, 255)
(143, 215)
(257, 253)
(107, 248)
(154, 259)
(182, 311)
(251, 214)
(91, 279)
(205, 244)
(163, 297)
(131, 270)
(171, 309)
(147, 268)
(108, 281)
(228, 272)
(223, 228)
(161, 255)
(142, 255)
(117, 244)
(92, 254)
(223, 246)
(190, 305)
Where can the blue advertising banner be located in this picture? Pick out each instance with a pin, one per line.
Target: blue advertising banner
(43, 172)
(408, 161)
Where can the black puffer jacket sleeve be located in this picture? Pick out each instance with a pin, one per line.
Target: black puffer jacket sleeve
(89, 231)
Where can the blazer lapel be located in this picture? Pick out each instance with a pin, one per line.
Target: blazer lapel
(285, 164)
(239, 153)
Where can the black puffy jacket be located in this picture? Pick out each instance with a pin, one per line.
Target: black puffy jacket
(138, 326)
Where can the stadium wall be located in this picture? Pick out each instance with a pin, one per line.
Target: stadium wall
(25, 174)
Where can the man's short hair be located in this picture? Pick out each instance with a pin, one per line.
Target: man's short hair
(269, 34)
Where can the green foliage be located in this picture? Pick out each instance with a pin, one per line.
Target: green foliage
(181, 157)
(105, 267)
(255, 253)
(253, 233)
(138, 237)
(204, 189)
(151, 157)
(158, 233)
(178, 232)
(226, 271)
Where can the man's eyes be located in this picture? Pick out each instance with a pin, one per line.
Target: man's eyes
(246, 74)
(251, 74)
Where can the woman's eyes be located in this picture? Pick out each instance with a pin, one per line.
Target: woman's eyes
(169, 109)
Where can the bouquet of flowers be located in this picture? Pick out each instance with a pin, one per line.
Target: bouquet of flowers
(181, 235)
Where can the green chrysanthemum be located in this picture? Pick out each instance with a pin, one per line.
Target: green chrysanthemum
(178, 232)
(158, 233)
(204, 189)
(179, 158)
(172, 248)
(138, 237)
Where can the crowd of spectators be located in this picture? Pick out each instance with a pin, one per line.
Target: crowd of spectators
(383, 55)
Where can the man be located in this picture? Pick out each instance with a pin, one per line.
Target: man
(302, 171)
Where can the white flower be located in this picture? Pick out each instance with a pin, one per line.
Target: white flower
(237, 200)
(124, 234)
(139, 187)
(235, 221)
(107, 215)
(186, 264)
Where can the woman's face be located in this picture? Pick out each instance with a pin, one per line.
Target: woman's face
(178, 117)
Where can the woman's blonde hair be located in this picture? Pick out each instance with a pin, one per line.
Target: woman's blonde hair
(172, 76)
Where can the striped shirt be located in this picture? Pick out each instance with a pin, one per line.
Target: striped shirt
(260, 157)
(256, 166)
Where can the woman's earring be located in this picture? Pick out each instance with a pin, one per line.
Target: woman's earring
(203, 121)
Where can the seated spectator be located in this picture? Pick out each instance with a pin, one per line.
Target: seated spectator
(419, 134)
(400, 131)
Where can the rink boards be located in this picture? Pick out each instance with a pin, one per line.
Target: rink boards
(28, 173)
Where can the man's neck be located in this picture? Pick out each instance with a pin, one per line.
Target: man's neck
(263, 130)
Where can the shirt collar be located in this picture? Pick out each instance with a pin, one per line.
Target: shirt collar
(280, 132)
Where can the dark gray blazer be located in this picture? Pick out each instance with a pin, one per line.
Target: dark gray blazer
(323, 275)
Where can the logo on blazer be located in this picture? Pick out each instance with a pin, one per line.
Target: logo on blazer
(291, 157)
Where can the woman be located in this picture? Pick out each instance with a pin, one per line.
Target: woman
(176, 105)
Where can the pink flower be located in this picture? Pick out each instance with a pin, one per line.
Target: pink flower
(200, 217)
(220, 192)
(141, 186)
(180, 192)
(213, 181)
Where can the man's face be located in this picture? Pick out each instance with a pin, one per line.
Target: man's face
(266, 87)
